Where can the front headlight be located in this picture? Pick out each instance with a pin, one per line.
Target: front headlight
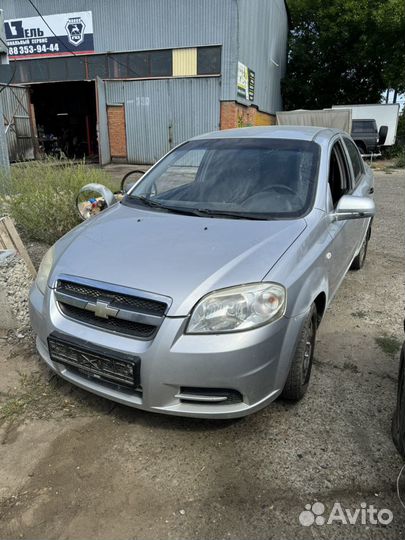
(238, 308)
(44, 270)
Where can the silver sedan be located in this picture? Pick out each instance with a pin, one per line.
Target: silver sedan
(201, 292)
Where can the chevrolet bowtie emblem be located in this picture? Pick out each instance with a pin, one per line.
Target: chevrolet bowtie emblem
(102, 309)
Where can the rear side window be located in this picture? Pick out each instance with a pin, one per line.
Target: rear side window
(355, 158)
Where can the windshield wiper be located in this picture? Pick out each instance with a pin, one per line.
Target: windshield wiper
(174, 209)
(149, 202)
(226, 213)
(201, 212)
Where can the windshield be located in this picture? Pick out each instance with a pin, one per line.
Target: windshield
(235, 178)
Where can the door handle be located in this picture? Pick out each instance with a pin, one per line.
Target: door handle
(371, 191)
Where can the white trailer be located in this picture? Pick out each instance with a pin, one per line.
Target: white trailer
(385, 114)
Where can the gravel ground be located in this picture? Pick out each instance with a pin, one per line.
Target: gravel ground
(16, 280)
(36, 251)
(77, 466)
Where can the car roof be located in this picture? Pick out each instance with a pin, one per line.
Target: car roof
(303, 133)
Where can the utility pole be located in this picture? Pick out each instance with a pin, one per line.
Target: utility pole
(4, 159)
(3, 42)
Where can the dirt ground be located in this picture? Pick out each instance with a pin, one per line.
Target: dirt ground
(77, 466)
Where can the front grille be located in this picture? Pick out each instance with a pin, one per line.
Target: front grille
(115, 325)
(144, 305)
(112, 311)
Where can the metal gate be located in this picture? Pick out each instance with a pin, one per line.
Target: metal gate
(160, 114)
(17, 123)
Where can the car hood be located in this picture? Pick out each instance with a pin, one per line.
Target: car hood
(183, 257)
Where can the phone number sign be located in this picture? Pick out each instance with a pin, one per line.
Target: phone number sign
(56, 35)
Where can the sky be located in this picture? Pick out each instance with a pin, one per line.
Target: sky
(400, 99)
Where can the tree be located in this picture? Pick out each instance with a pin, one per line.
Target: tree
(344, 51)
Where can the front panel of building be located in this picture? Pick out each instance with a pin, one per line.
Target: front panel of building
(167, 71)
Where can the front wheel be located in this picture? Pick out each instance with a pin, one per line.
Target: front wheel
(300, 370)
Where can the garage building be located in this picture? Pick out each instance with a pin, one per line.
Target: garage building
(130, 79)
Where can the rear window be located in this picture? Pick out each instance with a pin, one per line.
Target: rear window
(363, 125)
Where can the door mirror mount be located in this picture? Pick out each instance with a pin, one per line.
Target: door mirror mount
(352, 207)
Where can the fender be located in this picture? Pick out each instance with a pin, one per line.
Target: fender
(308, 262)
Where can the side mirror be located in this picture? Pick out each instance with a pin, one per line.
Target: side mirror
(92, 199)
(351, 207)
(382, 135)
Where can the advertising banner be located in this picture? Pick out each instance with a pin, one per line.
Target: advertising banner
(246, 82)
(54, 35)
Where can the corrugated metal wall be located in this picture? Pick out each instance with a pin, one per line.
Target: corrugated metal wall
(161, 114)
(17, 124)
(267, 56)
(130, 25)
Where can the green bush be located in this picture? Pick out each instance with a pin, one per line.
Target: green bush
(399, 161)
(40, 196)
(397, 152)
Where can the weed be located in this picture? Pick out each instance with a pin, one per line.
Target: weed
(389, 344)
(37, 398)
(41, 195)
(349, 366)
(399, 161)
(359, 314)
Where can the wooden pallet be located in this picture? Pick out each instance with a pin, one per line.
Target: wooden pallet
(10, 239)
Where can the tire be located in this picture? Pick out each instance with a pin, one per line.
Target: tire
(359, 260)
(398, 420)
(301, 365)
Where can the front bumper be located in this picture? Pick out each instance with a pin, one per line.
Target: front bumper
(254, 363)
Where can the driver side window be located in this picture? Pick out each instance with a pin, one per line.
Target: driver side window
(338, 179)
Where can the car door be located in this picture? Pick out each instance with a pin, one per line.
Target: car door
(361, 186)
(339, 184)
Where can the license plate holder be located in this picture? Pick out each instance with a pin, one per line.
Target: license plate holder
(95, 361)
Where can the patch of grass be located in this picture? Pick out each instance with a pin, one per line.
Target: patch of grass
(37, 398)
(399, 161)
(390, 345)
(360, 314)
(349, 366)
(11, 409)
(41, 195)
(396, 153)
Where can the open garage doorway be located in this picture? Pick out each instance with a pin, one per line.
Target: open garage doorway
(65, 116)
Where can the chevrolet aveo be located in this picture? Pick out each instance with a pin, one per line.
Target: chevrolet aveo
(200, 293)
